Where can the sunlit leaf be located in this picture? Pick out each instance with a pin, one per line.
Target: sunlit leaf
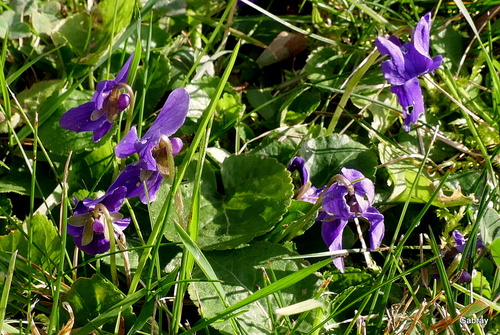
(242, 272)
(256, 194)
(90, 297)
(489, 226)
(46, 243)
(325, 156)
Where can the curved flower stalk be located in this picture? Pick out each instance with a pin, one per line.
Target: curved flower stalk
(306, 192)
(155, 149)
(350, 197)
(408, 61)
(89, 225)
(99, 114)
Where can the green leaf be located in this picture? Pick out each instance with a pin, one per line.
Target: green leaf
(91, 297)
(5, 209)
(495, 251)
(382, 117)
(481, 285)
(243, 272)
(11, 22)
(489, 226)
(46, 243)
(403, 173)
(257, 98)
(325, 156)
(44, 23)
(448, 43)
(170, 7)
(101, 160)
(15, 179)
(302, 106)
(74, 31)
(322, 65)
(350, 278)
(229, 108)
(19, 30)
(257, 193)
(109, 19)
(24, 7)
(33, 99)
(281, 144)
(201, 91)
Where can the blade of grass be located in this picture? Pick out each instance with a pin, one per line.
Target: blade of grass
(491, 67)
(205, 267)
(274, 287)
(209, 43)
(374, 15)
(145, 80)
(54, 317)
(491, 304)
(6, 288)
(154, 239)
(27, 129)
(370, 292)
(192, 231)
(10, 79)
(394, 257)
(289, 25)
(147, 309)
(111, 313)
(353, 80)
(450, 297)
(32, 207)
(5, 94)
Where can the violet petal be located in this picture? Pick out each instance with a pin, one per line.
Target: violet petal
(410, 98)
(126, 146)
(171, 117)
(123, 74)
(78, 118)
(332, 232)
(377, 227)
(421, 35)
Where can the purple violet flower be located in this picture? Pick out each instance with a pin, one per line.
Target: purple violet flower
(350, 197)
(306, 192)
(454, 255)
(460, 241)
(151, 148)
(408, 61)
(88, 224)
(99, 114)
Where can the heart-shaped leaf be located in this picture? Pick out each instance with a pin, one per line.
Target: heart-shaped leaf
(256, 194)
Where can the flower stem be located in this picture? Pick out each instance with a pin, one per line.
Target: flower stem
(370, 263)
(122, 245)
(112, 246)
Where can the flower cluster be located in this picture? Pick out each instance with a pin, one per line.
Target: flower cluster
(408, 61)
(349, 197)
(90, 225)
